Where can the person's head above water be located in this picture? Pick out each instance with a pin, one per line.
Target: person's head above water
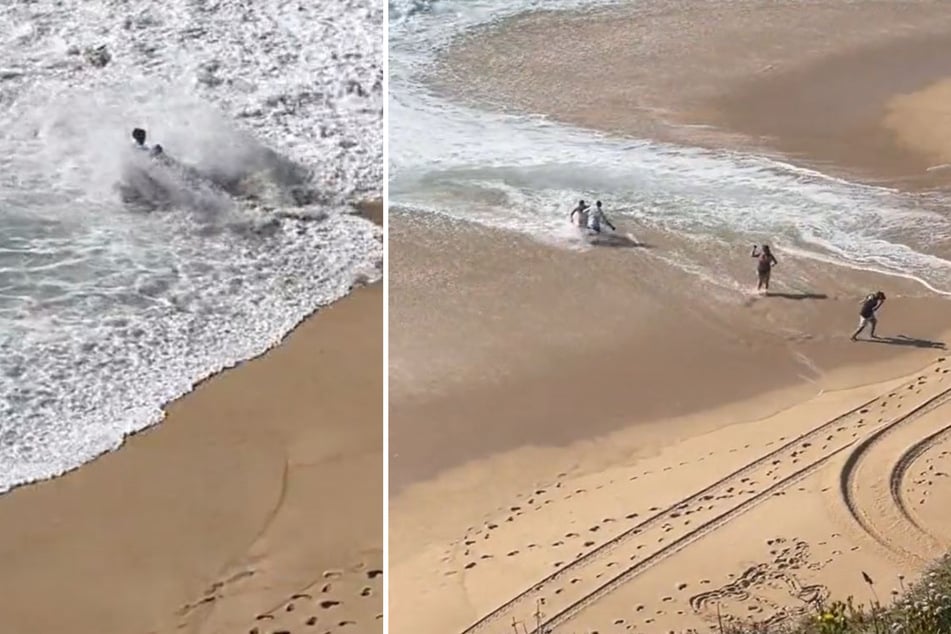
(581, 203)
(139, 135)
(766, 249)
(157, 150)
(598, 204)
(880, 295)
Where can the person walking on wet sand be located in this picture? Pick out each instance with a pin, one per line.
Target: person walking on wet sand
(764, 266)
(870, 306)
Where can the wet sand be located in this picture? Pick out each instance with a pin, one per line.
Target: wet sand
(262, 485)
(754, 75)
(521, 376)
(597, 413)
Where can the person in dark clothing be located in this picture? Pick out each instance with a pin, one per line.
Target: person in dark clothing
(764, 266)
(870, 306)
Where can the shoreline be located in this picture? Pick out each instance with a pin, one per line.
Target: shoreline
(819, 104)
(541, 366)
(584, 415)
(192, 523)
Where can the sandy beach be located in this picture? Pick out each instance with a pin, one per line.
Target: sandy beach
(765, 77)
(621, 448)
(256, 506)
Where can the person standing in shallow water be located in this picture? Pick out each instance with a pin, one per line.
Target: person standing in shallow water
(870, 306)
(764, 266)
(596, 217)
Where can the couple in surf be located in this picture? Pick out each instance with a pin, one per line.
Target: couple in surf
(161, 182)
(868, 307)
(155, 151)
(592, 219)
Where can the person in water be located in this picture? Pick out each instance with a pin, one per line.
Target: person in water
(138, 135)
(155, 151)
(869, 306)
(582, 211)
(764, 266)
(596, 217)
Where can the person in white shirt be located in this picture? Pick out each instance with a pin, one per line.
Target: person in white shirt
(596, 217)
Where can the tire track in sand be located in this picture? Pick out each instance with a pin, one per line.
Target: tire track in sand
(871, 484)
(577, 584)
(900, 471)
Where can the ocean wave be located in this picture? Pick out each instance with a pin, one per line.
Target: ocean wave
(272, 112)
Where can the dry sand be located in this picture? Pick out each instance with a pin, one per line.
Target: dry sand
(758, 517)
(577, 441)
(256, 506)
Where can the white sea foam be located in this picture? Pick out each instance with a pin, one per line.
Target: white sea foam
(107, 314)
(523, 173)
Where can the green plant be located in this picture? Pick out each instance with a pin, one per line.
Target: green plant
(924, 608)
